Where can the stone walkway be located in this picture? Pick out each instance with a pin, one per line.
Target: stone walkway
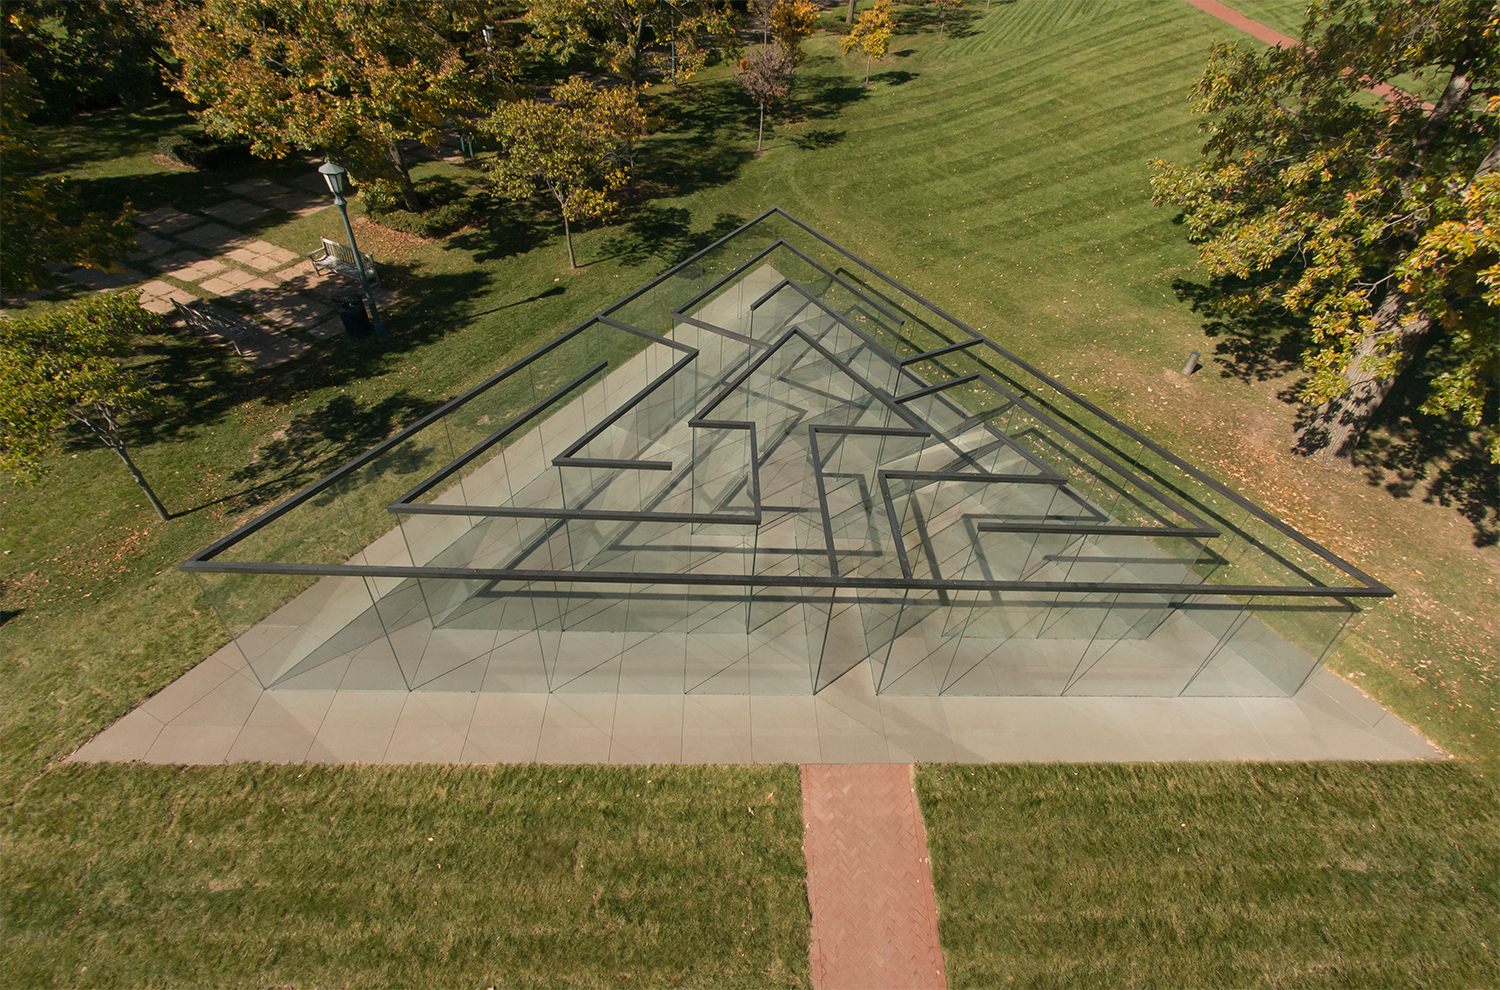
(869, 883)
(262, 299)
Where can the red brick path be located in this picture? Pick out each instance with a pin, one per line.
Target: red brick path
(1271, 36)
(874, 915)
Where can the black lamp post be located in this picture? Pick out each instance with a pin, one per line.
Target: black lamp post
(337, 178)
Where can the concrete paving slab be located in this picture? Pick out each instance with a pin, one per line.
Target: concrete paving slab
(190, 266)
(149, 245)
(210, 236)
(101, 281)
(217, 711)
(257, 188)
(167, 220)
(236, 211)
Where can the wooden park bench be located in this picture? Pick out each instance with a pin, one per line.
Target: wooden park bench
(337, 259)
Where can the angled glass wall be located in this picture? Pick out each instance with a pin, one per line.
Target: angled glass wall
(768, 469)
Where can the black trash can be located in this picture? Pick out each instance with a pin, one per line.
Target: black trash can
(354, 315)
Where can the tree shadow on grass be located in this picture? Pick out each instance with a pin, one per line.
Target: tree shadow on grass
(704, 140)
(894, 77)
(506, 229)
(1405, 451)
(953, 23)
(1254, 344)
(1438, 459)
(817, 138)
(664, 234)
(708, 129)
(318, 441)
(823, 97)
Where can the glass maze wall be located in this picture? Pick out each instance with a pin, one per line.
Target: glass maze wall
(738, 526)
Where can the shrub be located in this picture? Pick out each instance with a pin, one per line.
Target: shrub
(450, 207)
(433, 222)
(380, 196)
(198, 149)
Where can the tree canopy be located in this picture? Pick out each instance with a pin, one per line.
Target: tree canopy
(40, 214)
(1375, 220)
(67, 365)
(341, 76)
(630, 38)
(871, 34)
(766, 74)
(83, 54)
(790, 22)
(573, 145)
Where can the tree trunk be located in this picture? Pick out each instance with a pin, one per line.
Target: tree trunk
(161, 511)
(1335, 430)
(638, 41)
(867, 70)
(849, 14)
(403, 176)
(1337, 427)
(761, 132)
(568, 236)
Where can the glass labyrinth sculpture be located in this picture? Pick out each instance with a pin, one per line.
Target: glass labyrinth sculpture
(769, 467)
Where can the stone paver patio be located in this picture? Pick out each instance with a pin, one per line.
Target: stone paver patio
(236, 211)
(157, 296)
(200, 258)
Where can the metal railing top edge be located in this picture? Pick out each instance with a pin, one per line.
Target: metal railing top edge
(772, 580)
(1279, 524)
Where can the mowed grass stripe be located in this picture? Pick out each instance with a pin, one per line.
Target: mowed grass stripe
(1214, 876)
(325, 876)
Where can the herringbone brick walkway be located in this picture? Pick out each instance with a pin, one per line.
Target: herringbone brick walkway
(874, 915)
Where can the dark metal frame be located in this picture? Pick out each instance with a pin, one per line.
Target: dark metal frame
(1362, 585)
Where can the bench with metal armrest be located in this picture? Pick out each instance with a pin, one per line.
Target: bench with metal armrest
(335, 258)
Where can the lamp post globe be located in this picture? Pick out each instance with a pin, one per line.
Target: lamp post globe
(336, 176)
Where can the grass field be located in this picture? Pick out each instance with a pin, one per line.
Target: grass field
(319, 876)
(1000, 171)
(1215, 876)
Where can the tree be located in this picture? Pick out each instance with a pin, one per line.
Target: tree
(573, 146)
(790, 22)
(631, 37)
(84, 54)
(346, 77)
(66, 365)
(944, 8)
(1375, 221)
(871, 34)
(766, 74)
(40, 215)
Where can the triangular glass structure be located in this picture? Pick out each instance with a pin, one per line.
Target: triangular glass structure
(768, 467)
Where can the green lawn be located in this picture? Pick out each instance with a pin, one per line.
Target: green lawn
(324, 876)
(1215, 876)
(1000, 171)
